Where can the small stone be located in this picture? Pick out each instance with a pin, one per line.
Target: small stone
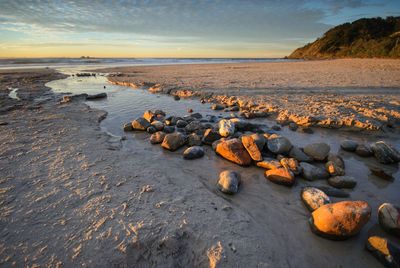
(151, 130)
(293, 126)
(176, 97)
(334, 192)
(281, 176)
(173, 141)
(381, 173)
(140, 124)
(217, 107)
(349, 145)
(385, 153)
(128, 127)
(148, 115)
(193, 152)
(338, 160)
(226, 128)
(228, 182)
(298, 154)
(389, 218)
(334, 169)
(194, 126)
(306, 130)
(312, 173)
(342, 182)
(181, 123)
(194, 140)
(210, 136)
(169, 129)
(273, 164)
(314, 198)
(96, 96)
(384, 250)
(363, 150)
(278, 144)
(340, 220)
(233, 150)
(157, 137)
(318, 151)
(159, 126)
(252, 148)
(291, 164)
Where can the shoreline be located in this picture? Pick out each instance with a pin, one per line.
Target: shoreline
(300, 102)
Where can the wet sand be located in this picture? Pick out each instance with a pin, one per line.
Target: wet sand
(72, 195)
(352, 93)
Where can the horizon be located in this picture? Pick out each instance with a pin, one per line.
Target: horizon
(178, 29)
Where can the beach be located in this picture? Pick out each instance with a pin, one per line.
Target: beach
(76, 190)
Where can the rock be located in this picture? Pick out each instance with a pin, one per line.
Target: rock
(260, 140)
(306, 130)
(278, 144)
(97, 96)
(233, 150)
(169, 129)
(193, 126)
(338, 160)
(210, 136)
(333, 191)
(273, 164)
(276, 127)
(181, 123)
(389, 218)
(226, 128)
(197, 115)
(140, 124)
(385, 153)
(293, 126)
(151, 130)
(157, 125)
(281, 176)
(159, 112)
(228, 182)
(363, 150)
(334, 169)
(193, 152)
(176, 97)
(340, 220)
(128, 127)
(342, 182)
(298, 154)
(314, 198)
(349, 145)
(291, 164)
(173, 141)
(148, 115)
(381, 173)
(190, 110)
(157, 137)
(194, 140)
(215, 143)
(384, 250)
(312, 173)
(252, 148)
(318, 151)
(217, 107)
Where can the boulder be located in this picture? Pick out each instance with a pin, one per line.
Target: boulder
(173, 141)
(318, 151)
(342, 182)
(194, 140)
(384, 250)
(196, 115)
(363, 150)
(298, 154)
(128, 127)
(291, 164)
(312, 173)
(349, 145)
(252, 148)
(340, 220)
(226, 128)
(278, 144)
(385, 153)
(210, 136)
(314, 198)
(193, 126)
(193, 152)
(157, 137)
(151, 130)
(140, 124)
(228, 182)
(281, 176)
(233, 150)
(272, 164)
(293, 126)
(217, 107)
(389, 218)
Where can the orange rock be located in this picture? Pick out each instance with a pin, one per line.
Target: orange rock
(233, 150)
(280, 176)
(251, 147)
(273, 164)
(340, 220)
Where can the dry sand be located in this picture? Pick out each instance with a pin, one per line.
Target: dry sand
(357, 93)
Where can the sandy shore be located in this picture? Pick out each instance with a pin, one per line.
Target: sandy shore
(353, 93)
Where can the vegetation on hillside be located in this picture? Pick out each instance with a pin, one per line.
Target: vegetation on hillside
(363, 38)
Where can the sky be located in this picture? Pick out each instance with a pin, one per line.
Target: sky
(173, 28)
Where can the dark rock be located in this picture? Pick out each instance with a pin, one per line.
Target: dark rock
(385, 153)
(318, 151)
(151, 130)
(363, 150)
(228, 182)
(389, 218)
(181, 123)
(128, 127)
(382, 173)
(217, 107)
(278, 144)
(342, 182)
(333, 191)
(293, 126)
(311, 172)
(159, 126)
(226, 128)
(349, 145)
(197, 115)
(193, 152)
(233, 150)
(97, 96)
(176, 97)
(313, 198)
(169, 129)
(276, 127)
(194, 126)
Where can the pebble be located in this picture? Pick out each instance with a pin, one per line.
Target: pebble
(157, 137)
(314, 198)
(278, 144)
(381, 173)
(389, 218)
(318, 151)
(228, 182)
(363, 150)
(181, 123)
(385, 153)
(349, 145)
(194, 140)
(140, 124)
(128, 127)
(169, 129)
(342, 182)
(281, 176)
(272, 164)
(312, 173)
(298, 154)
(193, 152)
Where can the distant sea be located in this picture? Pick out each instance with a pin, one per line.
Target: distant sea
(65, 62)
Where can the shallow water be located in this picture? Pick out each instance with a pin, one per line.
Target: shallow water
(269, 205)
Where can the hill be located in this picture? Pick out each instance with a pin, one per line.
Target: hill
(363, 38)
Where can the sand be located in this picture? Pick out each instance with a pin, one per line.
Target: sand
(354, 93)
